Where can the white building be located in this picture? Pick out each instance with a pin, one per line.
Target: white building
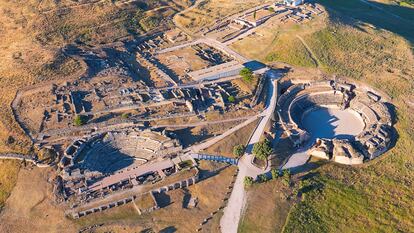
(293, 2)
(227, 69)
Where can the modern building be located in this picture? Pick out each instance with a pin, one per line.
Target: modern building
(293, 2)
(215, 72)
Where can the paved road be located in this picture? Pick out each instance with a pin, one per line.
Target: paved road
(236, 204)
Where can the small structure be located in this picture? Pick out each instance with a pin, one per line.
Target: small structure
(256, 17)
(193, 202)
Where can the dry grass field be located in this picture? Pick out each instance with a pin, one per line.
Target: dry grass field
(206, 12)
(225, 146)
(192, 135)
(182, 60)
(173, 216)
(8, 177)
(276, 41)
(32, 199)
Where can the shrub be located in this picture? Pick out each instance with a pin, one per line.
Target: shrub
(231, 99)
(185, 164)
(262, 150)
(125, 115)
(286, 177)
(263, 178)
(79, 120)
(238, 150)
(246, 74)
(275, 173)
(248, 181)
(10, 140)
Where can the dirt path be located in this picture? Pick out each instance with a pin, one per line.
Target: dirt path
(181, 27)
(312, 54)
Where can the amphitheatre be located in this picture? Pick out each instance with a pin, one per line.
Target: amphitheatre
(343, 122)
(182, 128)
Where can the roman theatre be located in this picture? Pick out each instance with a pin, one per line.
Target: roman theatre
(116, 160)
(338, 121)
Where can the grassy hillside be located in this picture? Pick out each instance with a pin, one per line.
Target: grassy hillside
(377, 197)
(262, 217)
(372, 43)
(297, 55)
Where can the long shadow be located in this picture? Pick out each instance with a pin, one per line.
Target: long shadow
(107, 160)
(390, 17)
(321, 124)
(163, 199)
(95, 63)
(204, 174)
(311, 183)
(186, 199)
(103, 118)
(188, 138)
(170, 229)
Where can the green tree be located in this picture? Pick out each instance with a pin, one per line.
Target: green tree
(79, 120)
(231, 99)
(246, 74)
(238, 150)
(275, 173)
(262, 149)
(139, 14)
(125, 115)
(286, 177)
(248, 181)
(263, 178)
